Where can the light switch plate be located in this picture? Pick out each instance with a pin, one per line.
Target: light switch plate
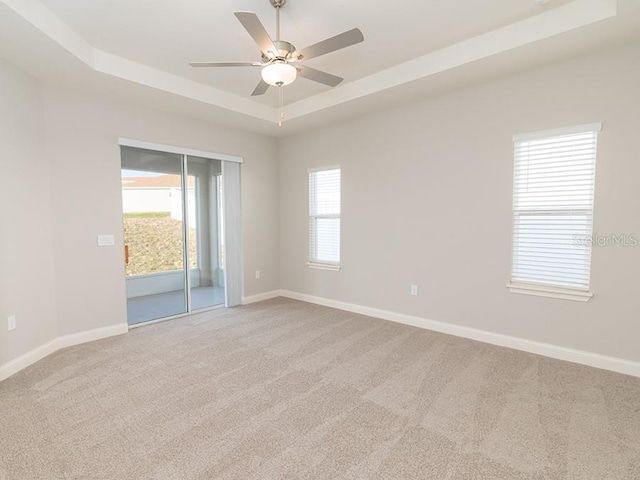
(106, 240)
(11, 323)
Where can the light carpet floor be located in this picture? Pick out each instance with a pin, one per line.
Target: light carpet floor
(288, 390)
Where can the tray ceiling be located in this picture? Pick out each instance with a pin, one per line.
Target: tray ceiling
(150, 42)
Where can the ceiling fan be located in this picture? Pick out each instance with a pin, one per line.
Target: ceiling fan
(281, 61)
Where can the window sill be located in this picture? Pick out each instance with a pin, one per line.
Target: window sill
(324, 266)
(550, 292)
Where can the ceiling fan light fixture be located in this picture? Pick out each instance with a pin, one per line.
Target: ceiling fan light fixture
(279, 74)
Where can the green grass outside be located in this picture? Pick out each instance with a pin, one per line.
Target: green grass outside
(147, 215)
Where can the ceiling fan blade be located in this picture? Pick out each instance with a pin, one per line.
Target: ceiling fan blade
(318, 76)
(254, 27)
(261, 88)
(346, 39)
(225, 64)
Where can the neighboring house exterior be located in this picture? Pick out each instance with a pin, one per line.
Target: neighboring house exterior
(157, 194)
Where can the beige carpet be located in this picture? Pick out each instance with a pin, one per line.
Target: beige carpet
(288, 390)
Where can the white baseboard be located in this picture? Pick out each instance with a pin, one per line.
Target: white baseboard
(614, 364)
(261, 296)
(23, 361)
(38, 353)
(91, 335)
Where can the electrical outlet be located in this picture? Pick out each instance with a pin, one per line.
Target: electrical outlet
(11, 323)
(414, 290)
(257, 274)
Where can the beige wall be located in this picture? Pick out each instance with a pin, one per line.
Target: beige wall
(82, 145)
(426, 200)
(26, 240)
(60, 187)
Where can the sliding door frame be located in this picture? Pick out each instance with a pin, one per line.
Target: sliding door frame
(184, 185)
(234, 210)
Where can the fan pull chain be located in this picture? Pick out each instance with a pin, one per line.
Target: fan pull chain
(281, 95)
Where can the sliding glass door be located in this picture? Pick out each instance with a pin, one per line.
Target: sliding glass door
(173, 246)
(206, 285)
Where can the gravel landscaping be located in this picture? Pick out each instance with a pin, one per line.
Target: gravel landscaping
(155, 243)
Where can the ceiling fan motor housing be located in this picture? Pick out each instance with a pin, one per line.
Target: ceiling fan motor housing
(285, 50)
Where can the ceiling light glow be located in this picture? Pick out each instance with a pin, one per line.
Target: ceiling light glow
(279, 74)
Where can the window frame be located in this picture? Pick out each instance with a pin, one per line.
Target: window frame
(313, 261)
(541, 288)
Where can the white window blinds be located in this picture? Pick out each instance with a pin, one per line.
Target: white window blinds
(553, 197)
(324, 216)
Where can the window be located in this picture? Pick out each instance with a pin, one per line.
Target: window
(324, 218)
(553, 191)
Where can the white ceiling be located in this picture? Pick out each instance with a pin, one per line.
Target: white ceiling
(141, 49)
